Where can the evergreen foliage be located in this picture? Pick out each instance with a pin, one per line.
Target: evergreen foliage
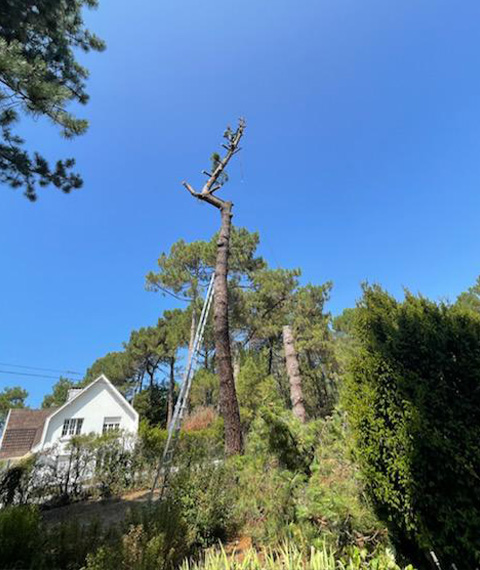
(59, 393)
(11, 398)
(39, 76)
(414, 401)
(116, 366)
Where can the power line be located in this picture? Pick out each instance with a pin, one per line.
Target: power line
(12, 372)
(39, 368)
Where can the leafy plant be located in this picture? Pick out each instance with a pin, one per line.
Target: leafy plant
(413, 401)
(206, 496)
(290, 557)
(21, 541)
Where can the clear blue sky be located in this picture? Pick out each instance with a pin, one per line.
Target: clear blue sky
(360, 161)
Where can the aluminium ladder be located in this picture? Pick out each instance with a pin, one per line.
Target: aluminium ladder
(165, 462)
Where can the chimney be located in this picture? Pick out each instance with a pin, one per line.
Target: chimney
(72, 392)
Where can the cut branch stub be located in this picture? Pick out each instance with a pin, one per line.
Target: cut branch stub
(227, 397)
(212, 184)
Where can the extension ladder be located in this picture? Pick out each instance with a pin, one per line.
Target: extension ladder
(165, 462)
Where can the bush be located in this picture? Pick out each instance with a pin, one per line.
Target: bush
(155, 538)
(206, 497)
(117, 464)
(414, 403)
(332, 509)
(21, 542)
(296, 482)
(67, 544)
(193, 447)
(15, 483)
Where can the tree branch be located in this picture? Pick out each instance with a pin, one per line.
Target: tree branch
(212, 184)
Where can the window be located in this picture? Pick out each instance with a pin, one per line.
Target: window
(111, 424)
(72, 426)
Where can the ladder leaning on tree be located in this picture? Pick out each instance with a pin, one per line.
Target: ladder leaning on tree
(165, 462)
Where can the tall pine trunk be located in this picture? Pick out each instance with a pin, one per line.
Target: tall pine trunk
(223, 356)
(293, 371)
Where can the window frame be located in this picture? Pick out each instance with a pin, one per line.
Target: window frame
(111, 424)
(72, 427)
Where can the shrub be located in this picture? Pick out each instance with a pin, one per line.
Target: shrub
(318, 500)
(116, 463)
(21, 542)
(266, 498)
(414, 403)
(193, 447)
(279, 434)
(206, 497)
(332, 508)
(155, 538)
(67, 544)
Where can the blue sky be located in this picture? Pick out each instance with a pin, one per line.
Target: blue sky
(360, 161)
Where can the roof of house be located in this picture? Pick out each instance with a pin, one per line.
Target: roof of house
(101, 379)
(23, 430)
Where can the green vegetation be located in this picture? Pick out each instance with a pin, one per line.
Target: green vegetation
(413, 400)
(386, 472)
(290, 557)
(361, 452)
(11, 398)
(40, 76)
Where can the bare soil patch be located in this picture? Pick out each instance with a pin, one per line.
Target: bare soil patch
(108, 512)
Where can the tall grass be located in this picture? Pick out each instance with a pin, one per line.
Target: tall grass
(290, 557)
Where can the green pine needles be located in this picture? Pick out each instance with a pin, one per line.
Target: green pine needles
(39, 77)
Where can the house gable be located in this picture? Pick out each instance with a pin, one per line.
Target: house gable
(97, 401)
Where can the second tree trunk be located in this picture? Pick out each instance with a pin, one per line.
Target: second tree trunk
(293, 371)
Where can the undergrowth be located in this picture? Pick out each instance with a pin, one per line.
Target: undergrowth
(290, 557)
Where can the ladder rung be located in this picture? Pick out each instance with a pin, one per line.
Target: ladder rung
(182, 402)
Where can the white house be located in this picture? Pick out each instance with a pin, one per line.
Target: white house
(97, 408)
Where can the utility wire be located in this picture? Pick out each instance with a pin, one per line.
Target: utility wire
(12, 372)
(39, 368)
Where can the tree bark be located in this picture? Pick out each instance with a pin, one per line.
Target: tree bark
(171, 391)
(223, 356)
(228, 397)
(293, 371)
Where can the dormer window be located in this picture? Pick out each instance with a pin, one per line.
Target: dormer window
(111, 424)
(72, 426)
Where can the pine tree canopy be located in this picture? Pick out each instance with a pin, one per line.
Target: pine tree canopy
(39, 76)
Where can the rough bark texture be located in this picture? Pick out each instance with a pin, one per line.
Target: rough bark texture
(293, 371)
(228, 397)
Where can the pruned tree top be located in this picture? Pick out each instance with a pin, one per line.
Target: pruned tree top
(217, 177)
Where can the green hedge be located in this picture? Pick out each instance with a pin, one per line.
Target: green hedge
(413, 397)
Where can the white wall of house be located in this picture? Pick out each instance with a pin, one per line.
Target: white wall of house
(93, 405)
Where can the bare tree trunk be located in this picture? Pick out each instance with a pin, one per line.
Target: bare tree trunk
(293, 371)
(228, 397)
(223, 357)
(171, 391)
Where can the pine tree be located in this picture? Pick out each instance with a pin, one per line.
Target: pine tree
(39, 76)
(228, 398)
